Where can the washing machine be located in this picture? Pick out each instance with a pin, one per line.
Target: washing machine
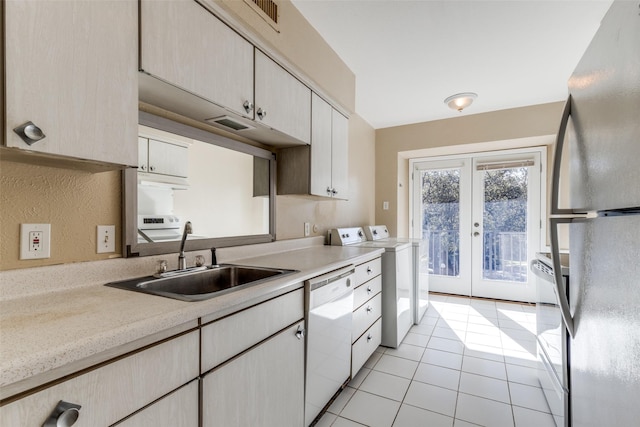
(397, 281)
(419, 266)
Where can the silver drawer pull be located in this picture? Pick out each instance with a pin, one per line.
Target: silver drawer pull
(369, 270)
(369, 290)
(369, 309)
(65, 414)
(300, 332)
(369, 337)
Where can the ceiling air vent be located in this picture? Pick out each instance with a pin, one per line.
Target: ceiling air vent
(267, 8)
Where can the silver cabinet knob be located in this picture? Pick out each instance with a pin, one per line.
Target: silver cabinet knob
(476, 224)
(369, 289)
(369, 309)
(300, 332)
(369, 270)
(261, 113)
(65, 414)
(152, 168)
(369, 337)
(143, 167)
(328, 191)
(476, 233)
(334, 191)
(248, 106)
(30, 133)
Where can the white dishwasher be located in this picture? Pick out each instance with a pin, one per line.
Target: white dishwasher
(329, 312)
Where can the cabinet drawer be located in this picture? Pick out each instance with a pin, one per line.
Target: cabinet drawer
(364, 292)
(229, 336)
(368, 270)
(180, 408)
(364, 347)
(364, 317)
(113, 391)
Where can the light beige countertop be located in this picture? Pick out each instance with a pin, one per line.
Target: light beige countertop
(63, 329)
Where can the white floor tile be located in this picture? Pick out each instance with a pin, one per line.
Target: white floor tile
(326, 420)
(460, 423)
(522, 358)
(528, 397)
(529, 418)
(343, 422)
(481, 339)
(360, 376)
(438, 376)
(484, 412)
(443, 344)
(485, 387)
(477, 319)
(453, 324)
(370, 410)
(442, 358)
(488, 368)
(341, 401)
(416, 339)
(484, 352)
(396, 366)
(407, 351)
(448, 333)
(482, 329)
(432, 398)
(423, 329)
(410, 416)
(522, 375)
(386, 385)
(371, 362)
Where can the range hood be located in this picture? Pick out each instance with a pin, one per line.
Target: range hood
(159, 93)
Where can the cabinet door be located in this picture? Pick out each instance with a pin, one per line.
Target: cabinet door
(168, 159)
(262, 387)
(184, 44)
(320, 147)
(143, 154)
(284, 99)
(340, 155)
(113, 391)
(72, 72)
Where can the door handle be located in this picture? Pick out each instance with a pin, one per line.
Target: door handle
(557, 273)
(557, 160)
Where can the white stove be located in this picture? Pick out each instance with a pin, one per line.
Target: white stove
(159, 228)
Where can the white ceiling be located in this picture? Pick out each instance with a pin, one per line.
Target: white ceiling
(408, 56)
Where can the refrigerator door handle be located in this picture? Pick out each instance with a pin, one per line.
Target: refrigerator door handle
(557, 160)
(557, 273)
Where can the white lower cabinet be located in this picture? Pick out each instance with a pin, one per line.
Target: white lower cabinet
(116, 390)
(263, 386)
(179, 408)
(366, 332)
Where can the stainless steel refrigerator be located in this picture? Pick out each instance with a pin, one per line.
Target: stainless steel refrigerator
(600, 134)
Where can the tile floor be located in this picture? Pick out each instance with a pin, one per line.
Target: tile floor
(469, 362)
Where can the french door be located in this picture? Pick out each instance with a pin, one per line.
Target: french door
(481, 215)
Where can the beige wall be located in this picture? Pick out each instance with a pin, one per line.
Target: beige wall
(73, 202)
(76, 202)
(394, 146)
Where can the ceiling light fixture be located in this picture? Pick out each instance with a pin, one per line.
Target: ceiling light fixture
(460, 101)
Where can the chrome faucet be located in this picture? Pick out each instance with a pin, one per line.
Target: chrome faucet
(182, 262)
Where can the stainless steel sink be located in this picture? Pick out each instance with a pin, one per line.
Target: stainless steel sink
(204, 284)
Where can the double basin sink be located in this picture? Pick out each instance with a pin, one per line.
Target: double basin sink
(201, 283)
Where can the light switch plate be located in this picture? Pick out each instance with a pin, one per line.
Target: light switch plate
(106, 239)
(35, 241)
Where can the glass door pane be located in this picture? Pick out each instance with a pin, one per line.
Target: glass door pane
(505, 225)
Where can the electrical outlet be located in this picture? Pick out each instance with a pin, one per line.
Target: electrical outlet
(385, 206)
(35, 241)
(307, 230)
(106, 239)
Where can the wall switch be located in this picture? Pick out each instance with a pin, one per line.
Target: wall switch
(385, 206)
(35, 241)
(106, 240)
(307, 229)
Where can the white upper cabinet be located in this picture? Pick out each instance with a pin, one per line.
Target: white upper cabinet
(282, 101)
(71, 71)
(322, 168)
(185, 45)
